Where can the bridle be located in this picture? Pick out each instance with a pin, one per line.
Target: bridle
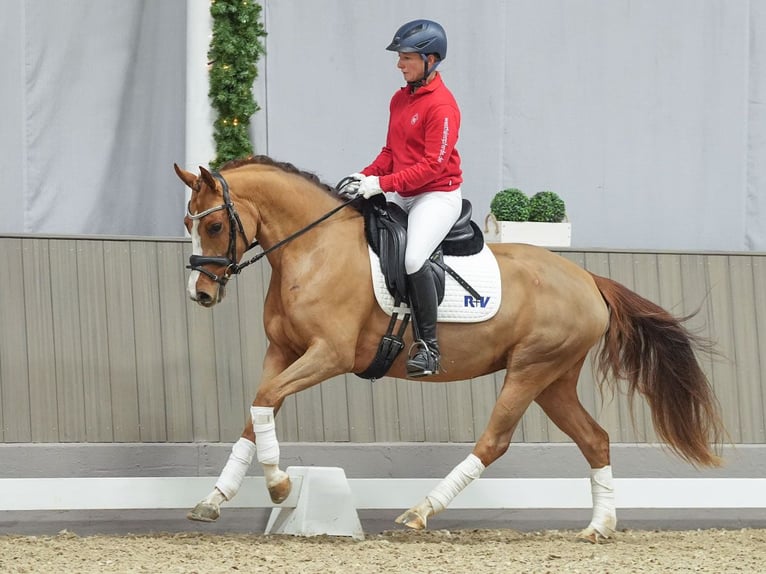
(229, 262)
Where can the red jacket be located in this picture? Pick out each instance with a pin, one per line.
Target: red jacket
(420, 153)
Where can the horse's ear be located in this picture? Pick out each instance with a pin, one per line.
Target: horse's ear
(207, 178)
(186, 176)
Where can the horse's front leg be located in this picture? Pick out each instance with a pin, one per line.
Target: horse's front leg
(259, 430)
(317, 364)
(281, 379)
(242, 453)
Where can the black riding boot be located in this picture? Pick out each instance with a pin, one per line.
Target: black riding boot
(424, 303)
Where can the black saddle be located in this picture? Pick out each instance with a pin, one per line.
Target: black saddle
(385, 226)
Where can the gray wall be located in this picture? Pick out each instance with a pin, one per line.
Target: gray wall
(646, 117)
(100, 344)
(92, 116)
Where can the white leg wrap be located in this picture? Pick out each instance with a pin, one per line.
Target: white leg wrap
(604, 513)
(460, 477)
(266, 442)
(232, 474)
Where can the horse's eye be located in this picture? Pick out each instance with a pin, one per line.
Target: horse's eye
(215, 228)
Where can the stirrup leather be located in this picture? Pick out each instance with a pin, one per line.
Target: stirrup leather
(424, 361)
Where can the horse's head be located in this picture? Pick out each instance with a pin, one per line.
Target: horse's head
(218, 237)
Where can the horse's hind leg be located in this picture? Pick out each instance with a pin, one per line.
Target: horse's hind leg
(563, 407)
(519, 390)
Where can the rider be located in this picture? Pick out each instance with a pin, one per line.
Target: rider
(419, 169)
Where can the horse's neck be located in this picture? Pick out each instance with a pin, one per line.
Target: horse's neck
(284, 206)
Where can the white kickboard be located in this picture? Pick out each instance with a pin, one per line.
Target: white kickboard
(325, 506)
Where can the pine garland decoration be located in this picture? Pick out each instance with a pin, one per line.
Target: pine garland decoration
(234, 51)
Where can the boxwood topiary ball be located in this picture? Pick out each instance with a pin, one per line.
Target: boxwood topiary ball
(510, 205)
(547, 206)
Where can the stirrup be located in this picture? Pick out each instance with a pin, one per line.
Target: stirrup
(424, 362)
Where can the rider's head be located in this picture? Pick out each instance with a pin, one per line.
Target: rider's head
(423, 37)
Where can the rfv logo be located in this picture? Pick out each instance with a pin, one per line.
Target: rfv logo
(469, 301)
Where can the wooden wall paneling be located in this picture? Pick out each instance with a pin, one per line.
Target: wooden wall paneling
(130, 358)
(335, 425)
(435, 412)
(724, 374)
(229, 378)
(309, 411)
(746, 347)
(409, 396)
(94, 340)
(175, 346)
(15, 411)
(38, 311)
(695, 286)
(759, 293)
(535, 424)
(361, 412)
(121, 341)
(149, 353)
(483, 398)
(67, 337)
(460, 411)
(251, 295)
(202, 371)
(386, 410)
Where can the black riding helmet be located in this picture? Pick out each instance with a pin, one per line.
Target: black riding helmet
(422, 37)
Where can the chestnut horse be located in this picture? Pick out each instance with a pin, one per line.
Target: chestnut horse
(322, 319)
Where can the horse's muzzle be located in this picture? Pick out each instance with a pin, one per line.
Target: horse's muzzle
(205, 299)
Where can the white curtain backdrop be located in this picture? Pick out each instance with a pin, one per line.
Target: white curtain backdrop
(646, 117)
(93, 116)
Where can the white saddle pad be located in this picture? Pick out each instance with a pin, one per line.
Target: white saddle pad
(480, 271)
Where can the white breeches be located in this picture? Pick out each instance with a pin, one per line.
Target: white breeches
(431, 215)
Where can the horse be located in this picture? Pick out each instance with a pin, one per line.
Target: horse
(321, 319)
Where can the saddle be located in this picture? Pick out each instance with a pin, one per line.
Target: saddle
(385, 226)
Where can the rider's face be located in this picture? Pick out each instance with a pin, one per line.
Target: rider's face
(411, 65)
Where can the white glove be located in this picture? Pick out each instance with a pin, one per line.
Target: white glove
(351, 185)
(369, 186)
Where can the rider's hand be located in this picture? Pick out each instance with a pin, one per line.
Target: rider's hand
(351, 183)
(370, 186)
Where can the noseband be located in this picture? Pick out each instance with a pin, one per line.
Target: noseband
(229, 263)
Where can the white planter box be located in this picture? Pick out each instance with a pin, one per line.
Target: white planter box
(532, 232)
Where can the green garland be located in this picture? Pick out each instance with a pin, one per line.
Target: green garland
(234, 51)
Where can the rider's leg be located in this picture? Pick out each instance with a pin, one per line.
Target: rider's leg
(421, 290)
(431, 216)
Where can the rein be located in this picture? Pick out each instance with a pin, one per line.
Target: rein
(231, 267)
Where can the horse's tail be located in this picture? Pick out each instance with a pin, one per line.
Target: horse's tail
(655, 353)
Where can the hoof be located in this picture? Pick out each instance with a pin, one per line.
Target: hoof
(592, 535)
(204, 512)
(412, 519)
(281, 490)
